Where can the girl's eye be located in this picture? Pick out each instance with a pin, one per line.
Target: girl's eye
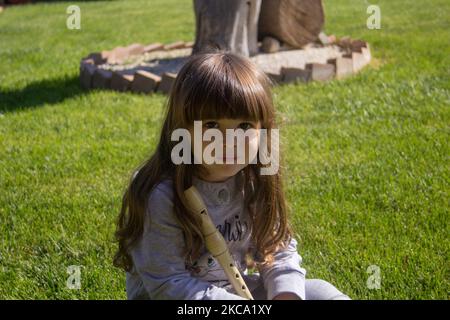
(211, 125)
(246, 125)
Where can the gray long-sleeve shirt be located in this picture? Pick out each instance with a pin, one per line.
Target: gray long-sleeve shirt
(161, 272)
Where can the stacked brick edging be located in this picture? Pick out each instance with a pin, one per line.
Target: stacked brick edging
(93, 77)
(356, 54)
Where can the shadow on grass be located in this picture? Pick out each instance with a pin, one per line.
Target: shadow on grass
(39, 93)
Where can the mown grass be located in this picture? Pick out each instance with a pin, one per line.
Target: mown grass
(365, 158)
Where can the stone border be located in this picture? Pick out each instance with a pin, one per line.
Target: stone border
(355, 55)
(92, 77)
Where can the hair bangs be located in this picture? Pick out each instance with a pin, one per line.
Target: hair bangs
(224, 87)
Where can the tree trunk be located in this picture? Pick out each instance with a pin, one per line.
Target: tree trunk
(227, 25)
(294, 22)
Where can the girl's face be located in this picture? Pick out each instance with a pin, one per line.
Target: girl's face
(231, 165)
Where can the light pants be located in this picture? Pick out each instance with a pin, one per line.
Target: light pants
(315, 289)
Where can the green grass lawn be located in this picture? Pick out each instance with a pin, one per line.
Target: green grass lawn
(365, 158)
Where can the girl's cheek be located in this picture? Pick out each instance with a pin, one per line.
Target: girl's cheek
(252, 147)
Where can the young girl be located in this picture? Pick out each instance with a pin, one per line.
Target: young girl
(161, 246)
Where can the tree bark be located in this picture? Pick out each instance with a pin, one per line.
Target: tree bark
(227, 25)
(294, 22)
(236, 25)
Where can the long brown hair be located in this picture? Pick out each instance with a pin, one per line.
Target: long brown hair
(210, 85)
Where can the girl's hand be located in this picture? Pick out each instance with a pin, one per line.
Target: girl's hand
(286, 296)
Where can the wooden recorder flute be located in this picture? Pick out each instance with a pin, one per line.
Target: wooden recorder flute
(216, 244)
